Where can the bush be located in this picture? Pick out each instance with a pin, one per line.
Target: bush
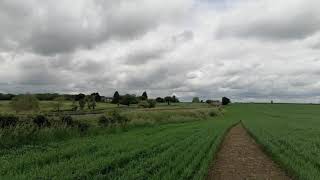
(41, 121)
(83, 127)
(225, 101)
(143, 104)
(104, 121)
(213, 113)
(152, 103)
(8, 120)
(116, 117)
(67, 120)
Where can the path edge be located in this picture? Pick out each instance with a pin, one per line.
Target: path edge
(288, 171)
(214, 154)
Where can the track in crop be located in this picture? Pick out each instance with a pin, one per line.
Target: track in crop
(240, 157)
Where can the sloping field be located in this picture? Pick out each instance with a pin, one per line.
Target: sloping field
(171, 151)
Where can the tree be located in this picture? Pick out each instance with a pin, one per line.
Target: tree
(58, 103)
(128, 99)
(25, 102)
(144, 96)
(160, 100)
(196, 100)
(175, 99)
(82, 103)
(96, 96)
(116, 98)
(168, 99)
(225, 101)
(74, 105)
(79, 97)
(209, 101)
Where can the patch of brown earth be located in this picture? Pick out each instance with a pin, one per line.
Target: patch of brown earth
(240, 157)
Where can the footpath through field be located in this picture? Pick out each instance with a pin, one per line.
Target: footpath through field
(240, 157)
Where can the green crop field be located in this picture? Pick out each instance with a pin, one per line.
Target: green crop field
(289, 132)
(167, 142)
(168, 151)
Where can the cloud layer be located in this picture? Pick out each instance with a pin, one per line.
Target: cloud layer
(252, 50)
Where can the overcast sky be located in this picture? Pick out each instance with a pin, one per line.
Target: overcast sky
(249, 50)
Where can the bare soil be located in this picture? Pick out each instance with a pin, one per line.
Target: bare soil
(240, 157)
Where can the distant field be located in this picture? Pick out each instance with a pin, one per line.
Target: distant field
(290, 132)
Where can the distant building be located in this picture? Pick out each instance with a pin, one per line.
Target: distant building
(106, 99)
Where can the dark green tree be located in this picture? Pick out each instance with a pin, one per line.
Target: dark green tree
(225, 101)
(116, 98)
(168, 99)
(144, 96)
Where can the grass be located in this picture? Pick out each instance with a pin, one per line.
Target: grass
(290, 133)
(168, 151)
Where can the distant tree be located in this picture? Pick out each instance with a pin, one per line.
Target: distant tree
(58, 103)
(225, 101)
(25, 102)
(74, 105)
(152, 103)
(175, 99)
(201, 101)
(168, 99)
(196, 100)
(144, 95)
(79, 97)
(116, 98)
(96, 96)
(209, 101)
(160, 100)
(82, 103)
(128, 99)
(271, 101)
(6, 96)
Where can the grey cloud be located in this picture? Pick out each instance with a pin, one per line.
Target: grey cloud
(301, 21)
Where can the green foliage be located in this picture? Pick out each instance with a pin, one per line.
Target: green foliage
(152, 103)
(104, 121)
(58, 104)
(196, 100)
(160, 100)
(8, 120)
(82, 103)
(143, 104)
(167, 151)
(25, 103)
(67, 120)
(116, 98)
(41, 120)
(144, 96)
(225, 101)
(128, 99)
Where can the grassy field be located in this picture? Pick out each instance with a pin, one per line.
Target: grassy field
(165, 151)
(289, 132)
(173, 142)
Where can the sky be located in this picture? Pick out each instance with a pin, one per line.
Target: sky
(248, 50)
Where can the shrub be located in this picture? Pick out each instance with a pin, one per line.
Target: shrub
(104, 121)
(213, 113)
(143, 104)
(67, 120)
(225, 101)
(152, 103)
(83, 127)
(116, 117)
(8, 120)
(41, 121)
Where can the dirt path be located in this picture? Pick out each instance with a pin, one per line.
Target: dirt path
(241, 158)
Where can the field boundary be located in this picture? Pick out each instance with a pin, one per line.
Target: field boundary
(288, 171)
